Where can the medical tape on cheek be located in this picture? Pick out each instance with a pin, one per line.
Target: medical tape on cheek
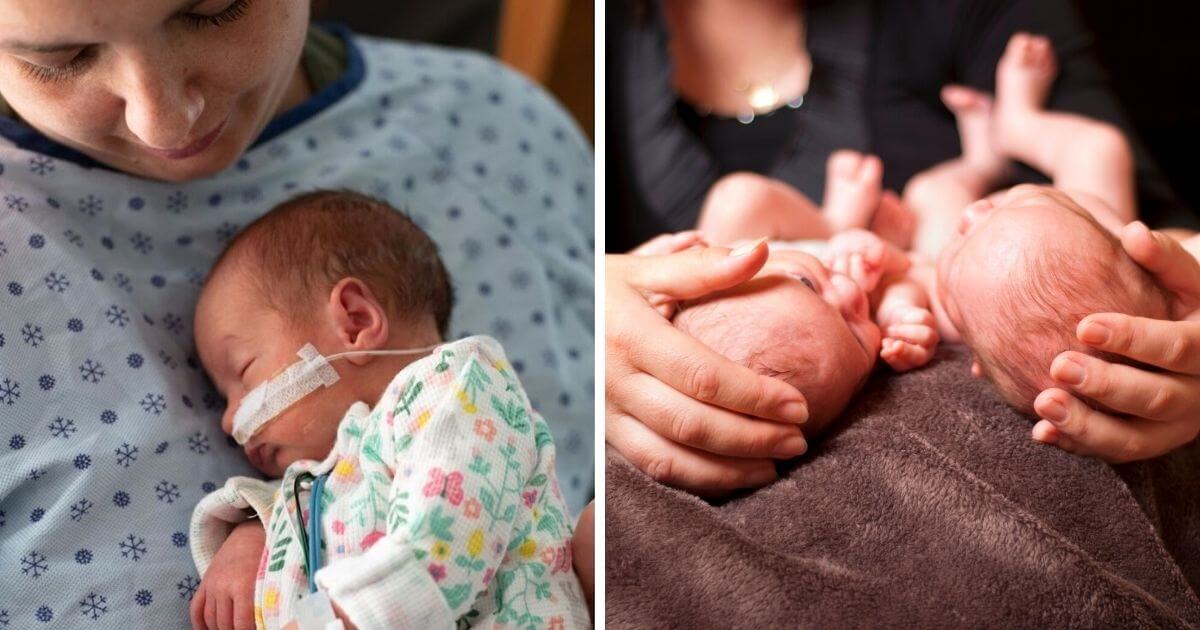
(268, 400)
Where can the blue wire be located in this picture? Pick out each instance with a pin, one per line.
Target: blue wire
(314, 532)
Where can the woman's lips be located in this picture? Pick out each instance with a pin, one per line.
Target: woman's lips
(191, 149)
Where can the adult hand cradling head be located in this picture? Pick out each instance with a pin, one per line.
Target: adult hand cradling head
(675, 408)
(1153, 410)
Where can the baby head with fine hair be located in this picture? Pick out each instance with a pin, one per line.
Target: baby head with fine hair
(335, 269)
(1026, 266)
(796, 321)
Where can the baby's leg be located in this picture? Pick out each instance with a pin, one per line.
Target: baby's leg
(853, 186)
(746, 206)
(939, 194)
(1077, 152)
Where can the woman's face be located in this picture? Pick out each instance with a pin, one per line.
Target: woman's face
(165, 89)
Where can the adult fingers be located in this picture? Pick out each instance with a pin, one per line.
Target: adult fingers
(682, 467)
(1173, 346)
(196, 609)
(695, 272)
(1087, 431)
(1127, 389)
(708, 428)
(677, 359)
(668, 243)
(1164, 257)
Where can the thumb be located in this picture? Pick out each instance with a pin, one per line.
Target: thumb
(1166, 259)
(697, 272)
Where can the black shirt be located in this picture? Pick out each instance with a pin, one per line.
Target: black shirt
(878, 69)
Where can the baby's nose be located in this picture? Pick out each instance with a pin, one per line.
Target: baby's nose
(973, 214)
(848, 297)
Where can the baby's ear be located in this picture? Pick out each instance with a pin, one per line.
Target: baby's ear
(359, 320)
(976, 369)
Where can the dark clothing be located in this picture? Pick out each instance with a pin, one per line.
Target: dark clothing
(878, 69)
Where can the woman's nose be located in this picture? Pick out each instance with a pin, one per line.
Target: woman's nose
(161, 107)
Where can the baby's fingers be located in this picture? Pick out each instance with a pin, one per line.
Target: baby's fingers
(903, 356)
(916, 334)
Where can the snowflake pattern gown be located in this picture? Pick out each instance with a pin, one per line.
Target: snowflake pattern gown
(109, 431)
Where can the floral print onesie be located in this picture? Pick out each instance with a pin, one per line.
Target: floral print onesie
(441, 508)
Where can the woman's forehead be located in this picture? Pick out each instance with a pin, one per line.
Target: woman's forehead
(42, 24)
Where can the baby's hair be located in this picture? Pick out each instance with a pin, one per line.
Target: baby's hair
(303, 247)
(1039, 313)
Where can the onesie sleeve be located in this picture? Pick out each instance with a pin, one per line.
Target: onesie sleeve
(241, 498)
(465, 446)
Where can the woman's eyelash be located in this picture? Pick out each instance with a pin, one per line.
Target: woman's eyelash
(48, 74)
(230, 14)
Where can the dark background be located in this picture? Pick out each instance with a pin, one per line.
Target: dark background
(474, 24)
(1152, 50)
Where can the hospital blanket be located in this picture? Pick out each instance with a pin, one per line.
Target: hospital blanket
(927, 506)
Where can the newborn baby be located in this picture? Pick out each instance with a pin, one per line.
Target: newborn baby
(438, 504)
(1027, 266)
(796, 321)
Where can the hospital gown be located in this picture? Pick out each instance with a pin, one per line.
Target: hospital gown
(109, 431)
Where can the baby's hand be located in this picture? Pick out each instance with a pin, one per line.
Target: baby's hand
(864, 257)
(910, 340)
(225, 599)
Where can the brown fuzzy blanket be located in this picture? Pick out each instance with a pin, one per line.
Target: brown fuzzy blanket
(928, 506)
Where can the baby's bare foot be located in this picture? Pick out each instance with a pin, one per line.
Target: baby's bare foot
(1024, 76)
(973, 114)
(853, 184)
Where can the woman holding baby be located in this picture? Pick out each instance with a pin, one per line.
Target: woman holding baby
(139, 137)
(774, 87)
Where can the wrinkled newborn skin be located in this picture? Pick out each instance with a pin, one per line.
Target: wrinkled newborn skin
(1025, 267)
(797, 322)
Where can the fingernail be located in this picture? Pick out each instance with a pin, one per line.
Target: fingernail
(1054, 411)
(791, 446)
(747, 248)
(794, 411)
(1045, 432)
(1070, 372)
(1095, 333)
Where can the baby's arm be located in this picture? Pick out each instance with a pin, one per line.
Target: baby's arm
(748, 206)
(225, 597)
(465, 447)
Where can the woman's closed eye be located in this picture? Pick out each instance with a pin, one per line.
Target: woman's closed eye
(230, 13)
(59, 66)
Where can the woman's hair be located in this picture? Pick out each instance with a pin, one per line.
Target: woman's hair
(303, 247)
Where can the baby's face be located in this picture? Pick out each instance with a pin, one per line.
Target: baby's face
(798, 322)
(243, 342)
(995, 235)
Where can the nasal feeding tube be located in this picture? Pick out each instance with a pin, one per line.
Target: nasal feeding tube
(312, 372)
